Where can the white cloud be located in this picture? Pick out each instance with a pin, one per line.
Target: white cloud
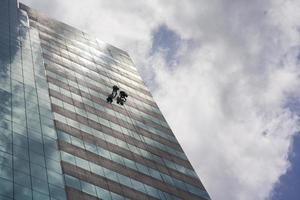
(225, 101)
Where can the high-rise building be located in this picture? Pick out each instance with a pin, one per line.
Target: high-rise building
(60, 138)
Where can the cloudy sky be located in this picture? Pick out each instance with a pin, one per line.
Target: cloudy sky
(225, 73)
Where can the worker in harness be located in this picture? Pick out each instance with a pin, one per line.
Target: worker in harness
(112, 95)
(121, 99)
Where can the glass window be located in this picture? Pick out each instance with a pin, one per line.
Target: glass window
(17, 128)
(152, 191)
(97, 169)
(167, 179)
(6, 187)
(154, 174)
(52, 153)
(40, 185)
(82, 163)
(49, 131)
(38, 171)
(36, 147)
(22, 179)
(6, 147)
(110, 174)
(21, 152)
(39, 196)
(55, 179)
(124, 180)
(5, 159)
(103, 194)
(143, 169)
(88, 188)
(161, 195)
(22, 193)
(104, 153)
(53, 165)
(57, 193)
(6, 172)
(5, 111)
(4, 198)
(50, 143)
(179, 184)
(47, 121)
(20, 140)
(37, 159)
(68, 158)
(64, 136)
(117, 158)
(91, 147)
(21, 165)
(117, 197)
(130, 164)
(138, 186)
(33, 124)
(77, 142)
(72, 182)
(36, 136)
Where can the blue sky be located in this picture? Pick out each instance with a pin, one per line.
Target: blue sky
(287, 188)
(224, 73)
(289, 184)
(166, 42)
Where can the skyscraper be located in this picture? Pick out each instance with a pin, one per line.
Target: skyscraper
(59, 136)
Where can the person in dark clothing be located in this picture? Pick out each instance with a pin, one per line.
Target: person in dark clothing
(113, 94)
(121, 99)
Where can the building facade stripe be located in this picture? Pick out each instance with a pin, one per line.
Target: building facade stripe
(48, 42)
(89, 156)
(103, 103)
(52, 57)
(78, 195)
(116, 120)
(60, 72)
(103, 182)
(119, 135)
(126, 153)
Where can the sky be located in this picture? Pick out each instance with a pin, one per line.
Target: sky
(226, 75)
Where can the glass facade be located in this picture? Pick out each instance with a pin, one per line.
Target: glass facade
(59, 137)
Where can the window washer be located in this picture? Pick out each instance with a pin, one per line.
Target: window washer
(113, 94)
(121, 99)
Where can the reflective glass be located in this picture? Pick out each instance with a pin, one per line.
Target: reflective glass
(6, 187)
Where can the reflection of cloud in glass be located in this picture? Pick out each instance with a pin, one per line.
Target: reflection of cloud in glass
(28, 148)
(8, 33)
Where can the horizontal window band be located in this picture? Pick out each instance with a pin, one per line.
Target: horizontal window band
(90, 57)
(111, 137)
(116, 120)
(98, 101)
(115, 124)
(122, 123)
(102, 182)
(103, 70)
(74, 194)
(95, 76)
(106, 163)
(61, 70)
(69, 64)
(126, 153)
(133, 87)
(68, 74)
(78, 91)
(115, 133)
(102, 102)
(53, 34)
